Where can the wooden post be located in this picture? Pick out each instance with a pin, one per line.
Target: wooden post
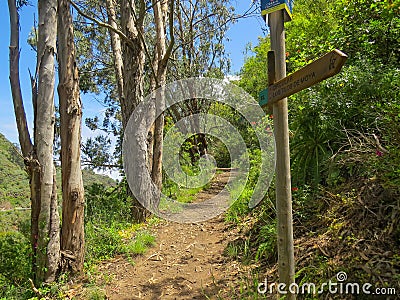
(271, 76)
(283, 184)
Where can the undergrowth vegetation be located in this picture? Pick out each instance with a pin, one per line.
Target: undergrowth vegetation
(345, 155)
(109, 231)
(109, 228)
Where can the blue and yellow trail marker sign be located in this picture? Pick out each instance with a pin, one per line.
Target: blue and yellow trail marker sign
(269, 6)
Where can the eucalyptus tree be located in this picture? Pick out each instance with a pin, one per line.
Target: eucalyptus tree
(126, 46)
(200, 28)
(135, 56)
(38, 154)
(50, 253)
(72, 232)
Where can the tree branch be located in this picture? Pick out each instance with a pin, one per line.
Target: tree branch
(168, 52)
(146, 50)
(102, 24)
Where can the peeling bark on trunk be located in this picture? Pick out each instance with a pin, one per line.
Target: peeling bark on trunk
(48, 251)
(38, 157)
(161, 15)
(133, 53)
(129, 79)
(72, 232)
(133, 59)
(133, 56)
(27, 148)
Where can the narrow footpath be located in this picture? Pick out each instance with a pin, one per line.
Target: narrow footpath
(187, 261)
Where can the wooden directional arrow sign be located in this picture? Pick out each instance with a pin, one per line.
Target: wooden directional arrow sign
(323, 68)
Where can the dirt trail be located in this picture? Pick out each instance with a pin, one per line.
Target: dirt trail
(187, 261)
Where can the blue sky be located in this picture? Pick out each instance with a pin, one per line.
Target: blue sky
(240, 34)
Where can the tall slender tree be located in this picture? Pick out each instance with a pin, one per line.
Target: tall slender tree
(45, 226)
(133, 56)
(163, 19)
(48, 252)
(38, 155)
(200, 28)
(27, 147)
(72, 233)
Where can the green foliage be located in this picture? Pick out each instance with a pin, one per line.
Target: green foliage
(266, 242)
(15, 263)
(247, 132)
(253, 74)
(359, 103)
(344, 135)
(179, 192)
(95, 58)
(91, 178)
(139, 244)
(14, 183)
(309, 33)
(108, 227)
(96, 152)
(240, 208)
(15, 247)
(107, 204)
(348, 115)
(369, 28)
(190, 164)
(104, 240)
(310, 148)
(96, 294)
(199, 35)
(240, 250)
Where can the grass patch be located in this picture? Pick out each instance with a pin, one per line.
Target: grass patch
(138, 245)
(180, 193)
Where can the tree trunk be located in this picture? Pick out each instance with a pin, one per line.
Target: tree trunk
(116, 48)
(23, 133)
(72, 232)
(132, 18)
(34, 182)
(33, 168)
(25, 142)
(45, 227)
(160, 7)
(161, 15)
(48, 251)
(133, 56)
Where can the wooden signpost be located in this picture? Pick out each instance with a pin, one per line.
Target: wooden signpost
(327, 66)
(280, 87)
(283, 191)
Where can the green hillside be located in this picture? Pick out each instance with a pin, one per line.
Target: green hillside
(14, 182)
